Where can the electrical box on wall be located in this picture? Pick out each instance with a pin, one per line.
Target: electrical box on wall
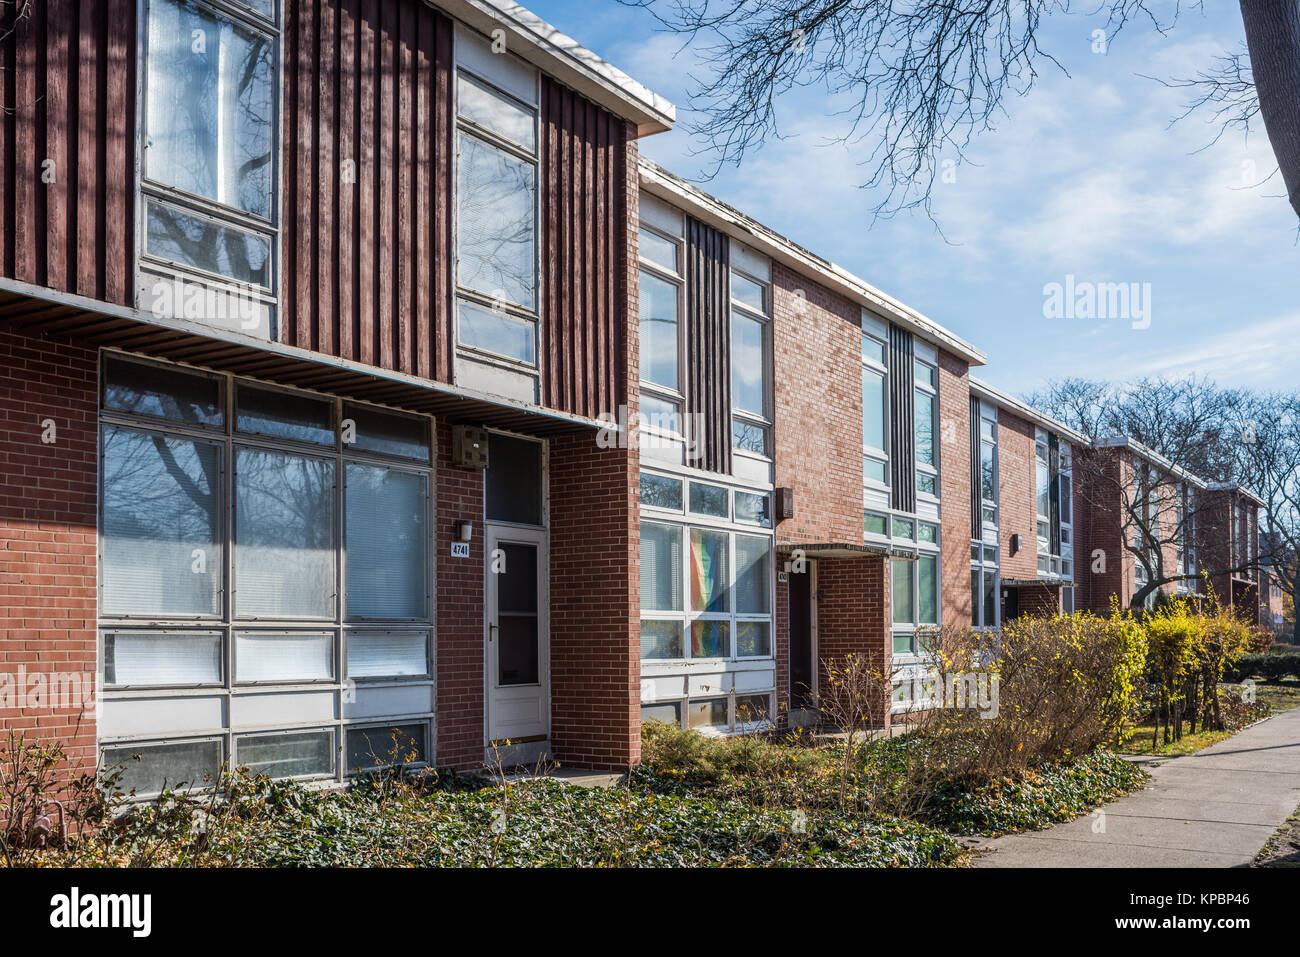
(784, 504)
(1015, 543)
(469, 447)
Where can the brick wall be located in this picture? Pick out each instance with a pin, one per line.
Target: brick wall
(853, 615)
(1017, 493)
(955, 487)
(817, 361)
(1102, 566)
(459, 637)
(48, 534)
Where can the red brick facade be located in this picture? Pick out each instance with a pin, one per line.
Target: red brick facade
(48, 535)
(955, 486)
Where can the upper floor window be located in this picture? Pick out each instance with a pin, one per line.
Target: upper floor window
(926, 376)
(496, 203)
(660, 288)
(875, 409)
(208, 176)
(751, 352)
(988, 465)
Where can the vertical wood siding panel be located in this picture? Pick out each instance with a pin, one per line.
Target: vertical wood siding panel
(26, 165)
(90, 269)
(386, 198)
(421, 245)
(290, 209)
(444, 242)
(58, 86)
(309, 196)
(367, 96)
(346, 225)
(119, 152)
(6, 142)
(325, 207)
(708, 336)
(405, 160)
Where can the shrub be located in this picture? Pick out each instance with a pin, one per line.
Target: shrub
(1269, 667)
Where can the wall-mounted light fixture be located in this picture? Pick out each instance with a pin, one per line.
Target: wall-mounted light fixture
(1015, 543)
(464, 530)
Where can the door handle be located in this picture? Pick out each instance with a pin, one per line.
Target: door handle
(492, 631)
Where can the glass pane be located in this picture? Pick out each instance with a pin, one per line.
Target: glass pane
(753, 507)
(661, 639)
(283, 415)
(902, 644)
(657, 249)
(286, 755)
(496, 112)
(382, 654)
(497, 235)
(874, 470)
(987, 491)
(284, 535)
(988, 429)
(163, 391)
(1043, 483)
(902, 580)
(284, 656)
(708, 500)
(873, 409)
(381, 747)
(211, 106)
(516, 589)
(748, 363)
(753, 707)
(748, 437)
(660, 491)
(710, 639)
(753, 557)
(874, 523)
(148, 658)
(925, 483)
(387, 433)
(495, 330)
(745, 290)
(707, 714)
(667, 713)
(990, 600)
(925, 428)
(658, 413)
(988, 515)
(924, 372)
(1066, 515)
(658, 305)
(386, 542)
(927, 532)
(709, 574)
(928, 586)
(873, 349)
(514, 480)
(162, 543)
(148, 768)
(203, 243)
(753, 638)
(976, 590)
(904, 528)
(661, 567)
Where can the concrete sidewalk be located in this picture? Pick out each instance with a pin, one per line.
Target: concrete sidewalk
(1215, 808)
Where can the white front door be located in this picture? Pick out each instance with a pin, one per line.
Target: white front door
(518, 646)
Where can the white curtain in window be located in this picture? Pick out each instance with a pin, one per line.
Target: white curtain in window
(387, 529)
(661, 567)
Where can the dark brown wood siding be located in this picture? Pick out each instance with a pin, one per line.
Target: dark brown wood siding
(67, 145)
(708, 345)
(583, 252)
(976, 472)
(902, 421)
(367, 152)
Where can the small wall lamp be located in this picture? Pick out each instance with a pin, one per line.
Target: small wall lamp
(464, 530)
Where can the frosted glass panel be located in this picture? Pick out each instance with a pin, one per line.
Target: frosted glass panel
(162, 551)
(284, 535)
(374, 747)
(384, 654)
(284, 656)
(156, 659)
(387, 532)
(286, 755)
(752, 575)
(147, 768)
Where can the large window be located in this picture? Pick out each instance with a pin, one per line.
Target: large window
(915, 587)
(496, 207)
(209, 160)
(926, 376)
(269, 547)
(875, 411)
(660, 298)
(751, 353)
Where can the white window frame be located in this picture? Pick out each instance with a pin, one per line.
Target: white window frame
(148, 190)
(674, 397)
(880, 368)
(761, 420)
(930, 388)
(480, 69)
(916, 548)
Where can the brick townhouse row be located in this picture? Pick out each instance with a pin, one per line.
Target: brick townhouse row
(359, 377)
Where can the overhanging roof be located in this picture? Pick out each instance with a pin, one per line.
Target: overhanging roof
(1025, 411)
(38, 311)
(1034, 583)
(708, 209)
(842, 550)
(567, 60)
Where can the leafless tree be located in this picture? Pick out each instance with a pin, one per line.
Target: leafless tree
(925, 76)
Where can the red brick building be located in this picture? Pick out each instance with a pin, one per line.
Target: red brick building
(360, 379)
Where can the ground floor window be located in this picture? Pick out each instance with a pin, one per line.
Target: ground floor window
(266, 578)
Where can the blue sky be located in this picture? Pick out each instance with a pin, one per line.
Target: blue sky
(1084, 177)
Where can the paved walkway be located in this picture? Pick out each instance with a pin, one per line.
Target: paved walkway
(1215, 808)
